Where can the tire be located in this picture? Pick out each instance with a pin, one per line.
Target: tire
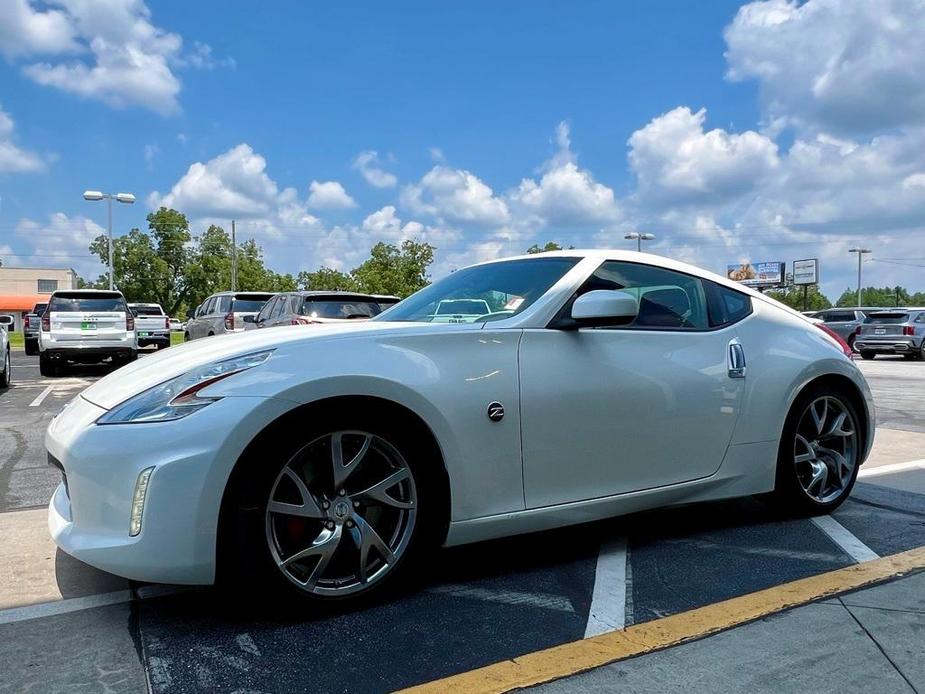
(922, 350)
(819, 453)
(31, 347)
(867, 355)
(261, 540)
(186, 337)
(47, 367)
(850, 342)
(7, 376)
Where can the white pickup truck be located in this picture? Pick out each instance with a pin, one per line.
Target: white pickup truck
(152, 325)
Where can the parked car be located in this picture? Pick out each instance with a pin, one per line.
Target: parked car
(460, 310)
(224, 313)
(31, 327)
(6, 363)
(892, 331)
(86, 326)
(303, 308)
(176, 326)
(151, 325)
(318, 462)
(844, 321)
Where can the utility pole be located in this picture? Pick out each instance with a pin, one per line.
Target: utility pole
(234, 259)
(860, 251)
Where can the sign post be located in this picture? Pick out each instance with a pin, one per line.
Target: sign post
(805, 273)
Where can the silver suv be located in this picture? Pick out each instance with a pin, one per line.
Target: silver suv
(843, 321)
(892, 331)
(86, 326)
(224, 313)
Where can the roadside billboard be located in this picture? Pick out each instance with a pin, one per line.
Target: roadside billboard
(757, 274)
(806, 271)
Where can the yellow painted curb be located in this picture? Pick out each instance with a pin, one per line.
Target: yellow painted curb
(577, 656)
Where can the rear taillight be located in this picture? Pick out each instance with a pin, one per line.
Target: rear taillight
(46, 323)
(908, 330)
(229, 321)
(857, 330)
(130, 322)
(845, 347)
(166, 323)
(25, 322)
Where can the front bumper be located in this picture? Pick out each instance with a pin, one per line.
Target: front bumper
(192, 459)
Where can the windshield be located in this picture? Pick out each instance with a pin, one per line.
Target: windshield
(65, 303)
(340, 308)
(885, 318)
(147, 310)
(483, 292)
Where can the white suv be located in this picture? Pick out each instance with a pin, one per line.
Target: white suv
(86, 326)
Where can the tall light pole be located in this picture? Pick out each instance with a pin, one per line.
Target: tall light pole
(860, 251)
(96, 196)
(639, 237)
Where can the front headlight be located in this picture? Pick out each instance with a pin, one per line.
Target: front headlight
(179, 397)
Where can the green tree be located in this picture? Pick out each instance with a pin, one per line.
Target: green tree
(792, 296)
(327, 279)
(881, 296)
(138, 271)
(392, 270)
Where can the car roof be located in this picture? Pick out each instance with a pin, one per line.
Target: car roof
(143, 303)
(86, 292)
(309, 293)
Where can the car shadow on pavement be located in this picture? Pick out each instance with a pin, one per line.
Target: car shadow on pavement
(76, 579)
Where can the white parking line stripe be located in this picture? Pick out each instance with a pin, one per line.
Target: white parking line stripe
(50, 609)
(844, 539)
(608, 601)
(41, 396)
(510, 597)
(895, 467)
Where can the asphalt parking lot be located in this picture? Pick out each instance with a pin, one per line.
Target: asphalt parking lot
(65, 626)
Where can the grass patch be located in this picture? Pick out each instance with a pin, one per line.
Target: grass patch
(176, 339)
(16, 340)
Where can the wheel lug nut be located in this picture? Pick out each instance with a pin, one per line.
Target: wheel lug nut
(349, 523)
(356, 504)
(325, 504)
(330, 525)
(342, 492)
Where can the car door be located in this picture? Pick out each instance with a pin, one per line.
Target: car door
(200, 326)
(611, 410)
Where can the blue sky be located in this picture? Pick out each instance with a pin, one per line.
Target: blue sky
(494, 125)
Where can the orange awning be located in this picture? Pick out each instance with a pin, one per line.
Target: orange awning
(21, 302)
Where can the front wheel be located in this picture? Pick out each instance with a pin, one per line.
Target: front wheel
(819, 452)
(867, 355)
(336, 517)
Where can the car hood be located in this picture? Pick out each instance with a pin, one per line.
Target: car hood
(149, 371)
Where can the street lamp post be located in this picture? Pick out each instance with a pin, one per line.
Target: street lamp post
(639, 238)
(860, 251)
(96, 196)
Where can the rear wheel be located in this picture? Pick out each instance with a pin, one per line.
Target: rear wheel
(31, 347)
(7, 374)
(47, 367)
(867, 355)
(336, 517)
(819, 452)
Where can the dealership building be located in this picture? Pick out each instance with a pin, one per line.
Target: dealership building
(21, 288)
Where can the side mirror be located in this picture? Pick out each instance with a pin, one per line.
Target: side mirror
(6, 322)
(250, 319)
(190, 315)
(605, 307)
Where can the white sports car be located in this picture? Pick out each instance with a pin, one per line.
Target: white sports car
(321, 462)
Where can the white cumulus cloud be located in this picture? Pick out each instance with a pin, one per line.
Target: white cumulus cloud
(14, 159)
(843, 66)
(367, 163)
(329, 195)
(455, 196)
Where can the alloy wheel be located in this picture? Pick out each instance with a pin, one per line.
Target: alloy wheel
(341, 513)
(825, 449)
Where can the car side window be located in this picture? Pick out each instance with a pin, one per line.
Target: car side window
(266, 311)
(207, 306)
(668, 300)
(921, 318)
(295, 304)
(279, 308)
(224, 304)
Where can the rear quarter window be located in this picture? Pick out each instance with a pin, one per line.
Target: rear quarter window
(726, 305)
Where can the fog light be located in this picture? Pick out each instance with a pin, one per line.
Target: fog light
(138, 501)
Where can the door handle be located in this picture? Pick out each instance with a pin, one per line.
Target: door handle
(736, 360)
